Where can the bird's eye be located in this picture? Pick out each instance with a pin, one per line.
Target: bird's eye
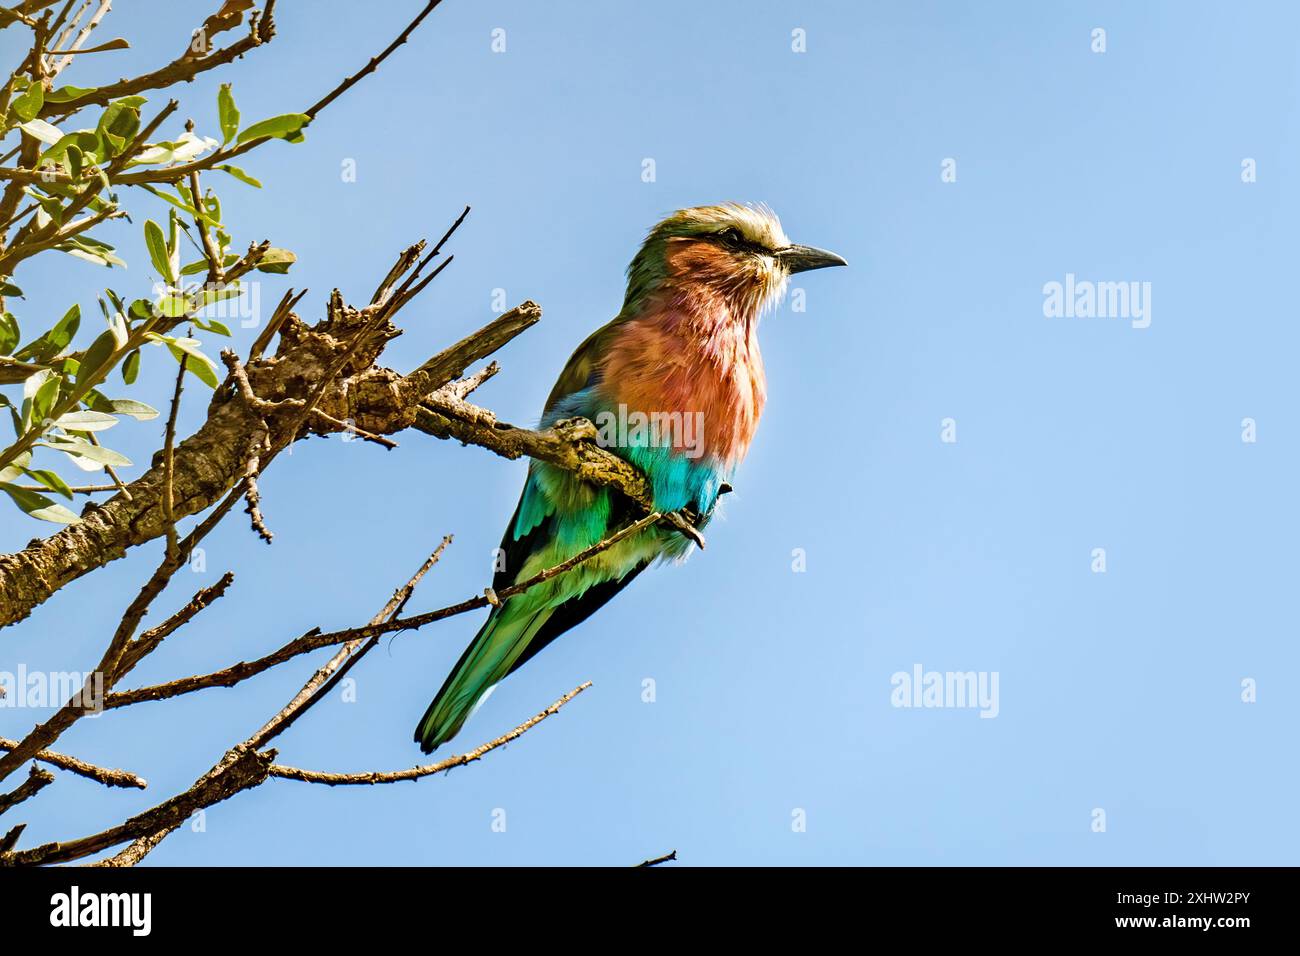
(731, 236)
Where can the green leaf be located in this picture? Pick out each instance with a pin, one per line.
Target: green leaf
(131, 367)
(287, 126)
(213, 326)
(137, 410)
(99, 353)
(231, 290)
(153, 238)
(194, 268)
(7, 288)
(117, 325)
(65, 93)
(183, 206)
(116, 299)
(9, 333)
(79, 448)
(83, 140)
(45, 397)
(55, 340)
(26, 107)
(86, 421)
(37, 505)
(174, 248)
(239, 174)
(45, 132)
(172, 306)
(14, 416)
(276, 260)
(50, 480)
(227, 113)
(91, 250)
(18, 466)
(119, 124)
(198, 363)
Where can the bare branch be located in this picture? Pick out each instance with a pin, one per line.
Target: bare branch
(102, 11)
(242, 767)
(373, 64)
(147, 642)
(415, 773)
(181, 70)
(671, 855)
(216, 272)
(245, 770)
(169, 464)
(36, 781)
(104, 775)
(315, 639)
(452, 362)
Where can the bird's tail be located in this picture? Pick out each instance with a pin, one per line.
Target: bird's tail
(489, 657)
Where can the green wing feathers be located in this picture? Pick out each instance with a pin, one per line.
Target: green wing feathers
(505, 635)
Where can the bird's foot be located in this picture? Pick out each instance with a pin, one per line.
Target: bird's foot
(681, 522)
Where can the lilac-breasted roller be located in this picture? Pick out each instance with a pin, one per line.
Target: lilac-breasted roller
(683, 353)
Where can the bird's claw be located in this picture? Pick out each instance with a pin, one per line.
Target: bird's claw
(677, 520)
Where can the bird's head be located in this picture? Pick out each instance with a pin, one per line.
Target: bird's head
(738, 252)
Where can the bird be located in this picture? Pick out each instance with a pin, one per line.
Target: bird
(683, 352)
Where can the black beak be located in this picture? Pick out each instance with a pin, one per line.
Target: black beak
(803, 258)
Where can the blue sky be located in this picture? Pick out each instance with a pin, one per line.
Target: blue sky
(1118, 690)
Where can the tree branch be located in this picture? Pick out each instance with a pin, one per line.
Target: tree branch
(656, 861)
(36, 781)
(104, 775)
(415, 773)
(182, 70)
(314, 639)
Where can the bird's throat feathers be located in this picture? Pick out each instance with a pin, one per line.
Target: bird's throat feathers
(689, 343)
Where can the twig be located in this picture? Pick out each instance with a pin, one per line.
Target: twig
(112, 472)
(108, 777)
(278, 317)
(216, 272)
(372, 65)
(147, 642)
(242, 768)
(36, 781)
(76, 489)
(355, 429)
(10, 839)
(415, 773)
(181, 70)
(659, 859)
(104, 6)
(315, 639)
(169, 464)
(344, 659)
(452, 362)
(253, 498)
